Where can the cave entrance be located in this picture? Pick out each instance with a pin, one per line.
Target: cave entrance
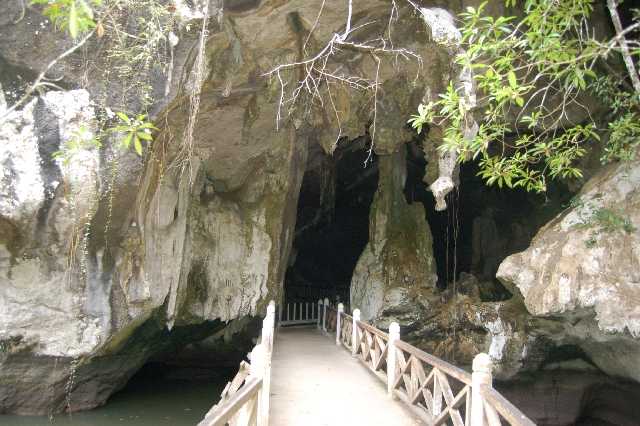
(481, 226)
(332, 227)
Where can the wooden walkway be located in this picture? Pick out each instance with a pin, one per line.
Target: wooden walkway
(314, 382)
(300, 377)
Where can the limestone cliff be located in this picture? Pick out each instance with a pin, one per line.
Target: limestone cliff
(582, 271)
(107, 261)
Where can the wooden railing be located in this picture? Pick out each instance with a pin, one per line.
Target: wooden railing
(436, 391)
(245, 399)
(297, 313)
(312, 292)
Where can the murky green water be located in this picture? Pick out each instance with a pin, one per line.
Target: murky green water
(146, 401)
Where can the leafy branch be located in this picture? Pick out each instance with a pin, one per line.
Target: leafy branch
(532, 74)
(74, 16)
(135, 130)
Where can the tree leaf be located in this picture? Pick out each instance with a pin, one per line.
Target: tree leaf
(137, 145)
(145, 136)
(513, 82)
(86, 10)
(127, 140)
(124, 117)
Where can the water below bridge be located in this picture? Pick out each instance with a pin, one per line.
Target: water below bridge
(149, 399)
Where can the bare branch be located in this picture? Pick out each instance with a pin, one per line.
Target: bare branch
(622, 42)
(316, 75)
(38, 81)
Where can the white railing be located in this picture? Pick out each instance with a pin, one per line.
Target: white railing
(436, 391)
(298, 313)
(245, 399)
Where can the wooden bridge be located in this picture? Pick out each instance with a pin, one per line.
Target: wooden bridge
(333, 369)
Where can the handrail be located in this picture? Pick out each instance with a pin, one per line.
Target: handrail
(245, 400)
(451, 370)
(435, 390)
(298, 313)
(373, 330)
(438, 392)
(225, 411)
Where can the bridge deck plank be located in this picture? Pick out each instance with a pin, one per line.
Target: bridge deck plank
(316, 383)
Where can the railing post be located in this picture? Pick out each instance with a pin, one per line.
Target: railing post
(481, 376)
(319, 311)
(324, 314)
(256, 370)
(354, 332)
(268, 324)
(267, 342)
(338, 322)
(392, 367)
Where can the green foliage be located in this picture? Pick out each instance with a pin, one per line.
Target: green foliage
(136, 131)
(139, 44)
(137, 39)
(600, 220)
(424, 116)
(74, 16)
(529, 72)
(609, 220)
(624, 138)
(624, 127)
(81, 140)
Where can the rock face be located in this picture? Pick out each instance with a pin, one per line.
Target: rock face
(111, 258)
(395, 278)
(44, 206)
(97, 264)
(582, 271)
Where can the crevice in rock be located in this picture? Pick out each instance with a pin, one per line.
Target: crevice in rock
(239, 6)
(332, 225)
(48, 133)
(14, 81)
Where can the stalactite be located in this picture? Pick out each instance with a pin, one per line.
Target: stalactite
(445, 33)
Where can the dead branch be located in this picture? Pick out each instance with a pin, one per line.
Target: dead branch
(316, 72)
(38, 81)
(612, 5)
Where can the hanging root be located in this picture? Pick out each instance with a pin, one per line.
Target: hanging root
(185, 155)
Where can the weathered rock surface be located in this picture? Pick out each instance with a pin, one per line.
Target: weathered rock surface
(44, 207)
(582, 271)
(112, 258)
(395, 278)
(100, 261)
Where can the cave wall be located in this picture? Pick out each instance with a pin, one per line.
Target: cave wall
(125, 243)
(103, 262)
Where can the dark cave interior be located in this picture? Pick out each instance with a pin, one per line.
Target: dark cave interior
(480, 228)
